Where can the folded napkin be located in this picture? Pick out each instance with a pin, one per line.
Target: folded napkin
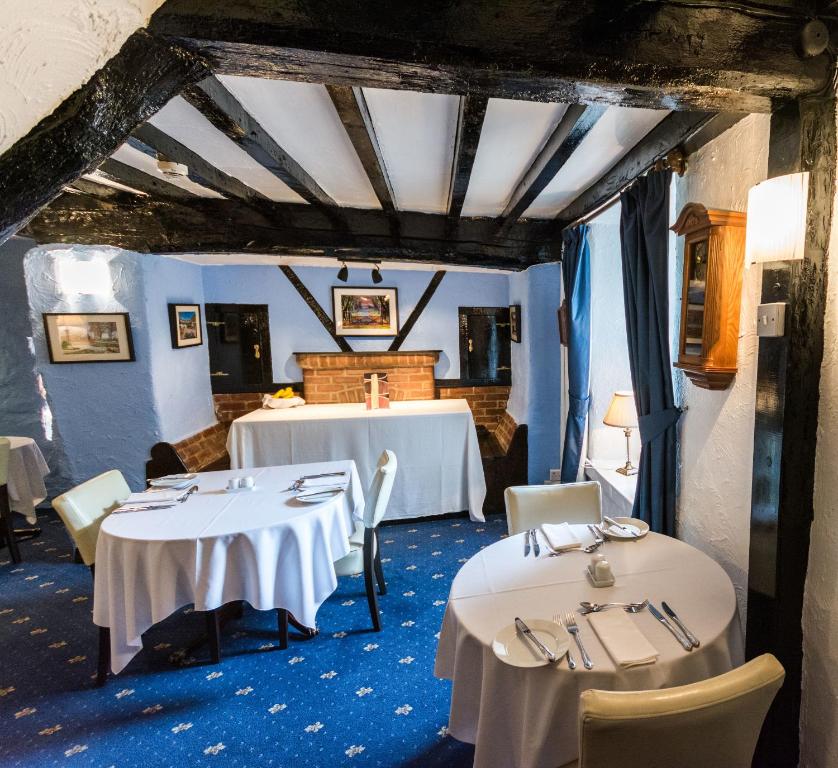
(323, 482)
(282, 402)
(625, 643)
(560, 536)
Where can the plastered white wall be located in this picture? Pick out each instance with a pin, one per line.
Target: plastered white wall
(717, 431)
(819, 704)
(49, 49)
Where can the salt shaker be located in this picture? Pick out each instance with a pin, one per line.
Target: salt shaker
(602, 570)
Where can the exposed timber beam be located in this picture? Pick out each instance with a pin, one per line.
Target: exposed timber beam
(91, 124)
(305, 294)
(144, 182)
(656, 53)
(671, 132)
(354, 113)
(574, 126)
(225, 112)
(213, 226)
(423, 302)
(469, 126)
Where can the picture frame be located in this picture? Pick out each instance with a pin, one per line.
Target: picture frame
(365, 311)
(88, 337)
(185, 325)
(515, 322)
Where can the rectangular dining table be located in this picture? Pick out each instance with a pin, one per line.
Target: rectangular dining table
(440, 468)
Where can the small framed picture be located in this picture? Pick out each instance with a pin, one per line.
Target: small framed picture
(515, 322)
(365, 311)
(89, 338)
(185, 325)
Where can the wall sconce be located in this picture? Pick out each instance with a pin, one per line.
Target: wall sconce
(85, 278)
(776, 227)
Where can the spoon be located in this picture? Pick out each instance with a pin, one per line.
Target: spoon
(628, 607)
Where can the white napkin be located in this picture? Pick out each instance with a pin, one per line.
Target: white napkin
(560, 536)
(625, 643)
(282, 402)
(323, 482)
(153, 498)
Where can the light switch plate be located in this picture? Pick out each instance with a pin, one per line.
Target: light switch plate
(771, 319)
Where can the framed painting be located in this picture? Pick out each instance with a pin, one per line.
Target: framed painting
(515, 322)
(365, 311)
(89, 337)
(185, 325)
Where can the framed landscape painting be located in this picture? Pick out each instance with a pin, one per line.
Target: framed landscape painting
(365, 311)
(185, 325)
(89, 337)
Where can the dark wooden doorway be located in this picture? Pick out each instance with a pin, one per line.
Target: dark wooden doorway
(239, 347)
(485, 349)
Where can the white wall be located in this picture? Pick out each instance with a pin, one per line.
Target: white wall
(49, 49)
(717, 431)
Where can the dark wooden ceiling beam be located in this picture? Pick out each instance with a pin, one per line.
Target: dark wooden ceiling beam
(574, 126)
(657, 53)
(91, 124)
(213, 225)
(467, 138)
(144, 182)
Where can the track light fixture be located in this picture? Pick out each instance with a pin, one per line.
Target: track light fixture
(376, 274)
(343, 273)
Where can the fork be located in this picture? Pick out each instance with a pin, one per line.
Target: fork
(572, 627)
(571, 662)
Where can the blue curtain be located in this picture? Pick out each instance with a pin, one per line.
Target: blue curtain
(576, 276)
(644, 239)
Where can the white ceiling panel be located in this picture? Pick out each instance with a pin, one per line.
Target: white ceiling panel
(301, 118)
(513, 134)
(140, 160)
(416, 134)
(186, 124)
(616, 132)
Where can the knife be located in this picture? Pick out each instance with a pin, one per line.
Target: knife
(530, 635)
(689, 635)
(536, 547)
(613, 522)
(526, 543)
(597, 534)
(687, 645)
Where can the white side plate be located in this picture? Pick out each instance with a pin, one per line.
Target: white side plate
(633, 524)
(512, 648)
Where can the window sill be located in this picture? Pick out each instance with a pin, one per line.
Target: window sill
(617, 490)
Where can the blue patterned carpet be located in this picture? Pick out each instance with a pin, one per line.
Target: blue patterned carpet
(348, 697)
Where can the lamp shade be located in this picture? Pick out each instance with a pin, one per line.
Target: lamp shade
(776, 229)
(622, 411)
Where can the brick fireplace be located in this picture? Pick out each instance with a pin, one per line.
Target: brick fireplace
(338, 377)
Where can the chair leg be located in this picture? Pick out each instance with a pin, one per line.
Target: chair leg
(8, 530)
(104, 656)
(282, 623)
(214, 635)
(379, 572)
(372, 598)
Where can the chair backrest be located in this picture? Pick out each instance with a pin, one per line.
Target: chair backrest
(84, 507)
(165, 460)
(381, 486)
(528, 506)
(5, 449)
(712, 723)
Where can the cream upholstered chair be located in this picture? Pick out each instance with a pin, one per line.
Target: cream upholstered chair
(364, 556)
(528, 506)
(715, 722)
(7, 531)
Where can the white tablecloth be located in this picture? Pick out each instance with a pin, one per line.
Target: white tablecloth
(261, 546)
(435, 441)
(527, 718)
(27, 470)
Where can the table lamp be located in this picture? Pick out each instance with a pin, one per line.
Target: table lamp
(622, 413)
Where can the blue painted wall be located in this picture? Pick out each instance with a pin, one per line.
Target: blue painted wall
(294, 328)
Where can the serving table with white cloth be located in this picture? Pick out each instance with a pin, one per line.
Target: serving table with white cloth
(440, 469)
(27, 470)
(528, 717)
(262, 546)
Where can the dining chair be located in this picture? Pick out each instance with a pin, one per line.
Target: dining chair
(714, 722)
(7, 530)
(83, 510)
(528, 506)
(364, 553)
(164, 460)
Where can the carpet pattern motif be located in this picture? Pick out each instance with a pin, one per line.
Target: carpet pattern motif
(350, 696)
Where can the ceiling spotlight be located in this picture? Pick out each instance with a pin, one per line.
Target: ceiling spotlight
(376, 275)
(343, 273)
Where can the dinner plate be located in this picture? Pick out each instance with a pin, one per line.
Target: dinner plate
(632, 523)
(512, 648)
(173, 481)
(316, 497)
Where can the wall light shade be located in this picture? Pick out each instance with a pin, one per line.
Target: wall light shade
(86, 278)
(776, 229)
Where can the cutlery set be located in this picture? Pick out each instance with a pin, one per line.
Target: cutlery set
(298, 484)
(531, 543)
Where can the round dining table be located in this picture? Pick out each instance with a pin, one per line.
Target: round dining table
(527, 717)
(27, 470)
(263, 546)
